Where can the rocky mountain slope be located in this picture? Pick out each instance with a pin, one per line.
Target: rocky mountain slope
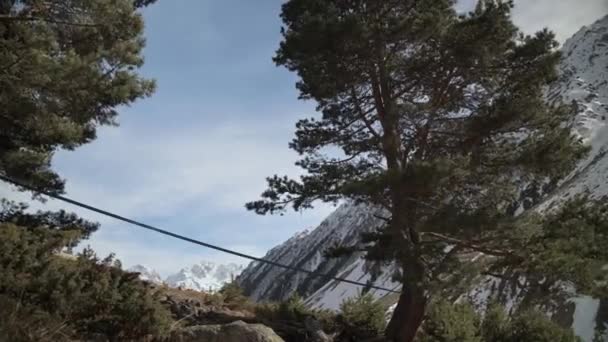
(204, 276)
(583, 81)
(147, 274)
(305, 250)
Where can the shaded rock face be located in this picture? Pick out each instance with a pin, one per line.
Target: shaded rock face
(583, 82)
(234, 332)
(305, 250)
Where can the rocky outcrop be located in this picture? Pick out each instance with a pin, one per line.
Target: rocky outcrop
(238, 331)
(196, 311)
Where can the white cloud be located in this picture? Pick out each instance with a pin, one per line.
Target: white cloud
(143, 175)
(164, 260)
(207, 170)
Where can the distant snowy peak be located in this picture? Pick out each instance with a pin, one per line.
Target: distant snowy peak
(146, 274)
(204, 276)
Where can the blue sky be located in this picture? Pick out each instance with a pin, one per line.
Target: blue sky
(189, 157)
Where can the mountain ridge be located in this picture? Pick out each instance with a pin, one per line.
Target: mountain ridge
(203, 276)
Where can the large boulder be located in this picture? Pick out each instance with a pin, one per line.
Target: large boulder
(238, 331)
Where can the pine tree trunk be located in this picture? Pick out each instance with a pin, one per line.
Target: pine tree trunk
(407, 317)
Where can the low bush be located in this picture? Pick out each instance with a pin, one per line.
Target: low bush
(361, 317)
(78, 297)
(447, 322)
(288, 318)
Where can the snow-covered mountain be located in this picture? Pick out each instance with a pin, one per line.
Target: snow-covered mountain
(583, 81)
(147, 274)
(204, 276)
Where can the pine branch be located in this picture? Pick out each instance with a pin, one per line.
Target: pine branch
(385, 219)
(440, 269)
(342, 161)
(469, 245)
(363, 115)
(417, 201)
(8, 18)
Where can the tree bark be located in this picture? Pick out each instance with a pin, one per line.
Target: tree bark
(408, 315)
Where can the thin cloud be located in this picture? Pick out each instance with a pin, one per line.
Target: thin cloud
(563, 17)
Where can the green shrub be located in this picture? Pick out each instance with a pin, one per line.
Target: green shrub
(265, 311)
(233, 297)
(532, 326)
(287, 318)
(87, 295)
(495, 324)
(27, 323)
(293, 308)
(214, 299)
(448, 322)
(361, 317)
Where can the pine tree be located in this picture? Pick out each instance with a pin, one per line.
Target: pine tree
(65, 67)
(434, 117)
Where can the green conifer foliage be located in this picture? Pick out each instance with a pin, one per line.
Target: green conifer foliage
(448, 322)
(233, 296)
(83, 294)
(65, 67)
(361, 318)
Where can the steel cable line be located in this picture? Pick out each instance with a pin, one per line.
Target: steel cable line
(187, 239)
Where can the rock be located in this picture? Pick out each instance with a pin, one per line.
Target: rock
(97, 338)
(238, 331)
(315, 331)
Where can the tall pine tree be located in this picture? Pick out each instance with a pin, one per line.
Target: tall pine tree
(435, 117)
(65, 66)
